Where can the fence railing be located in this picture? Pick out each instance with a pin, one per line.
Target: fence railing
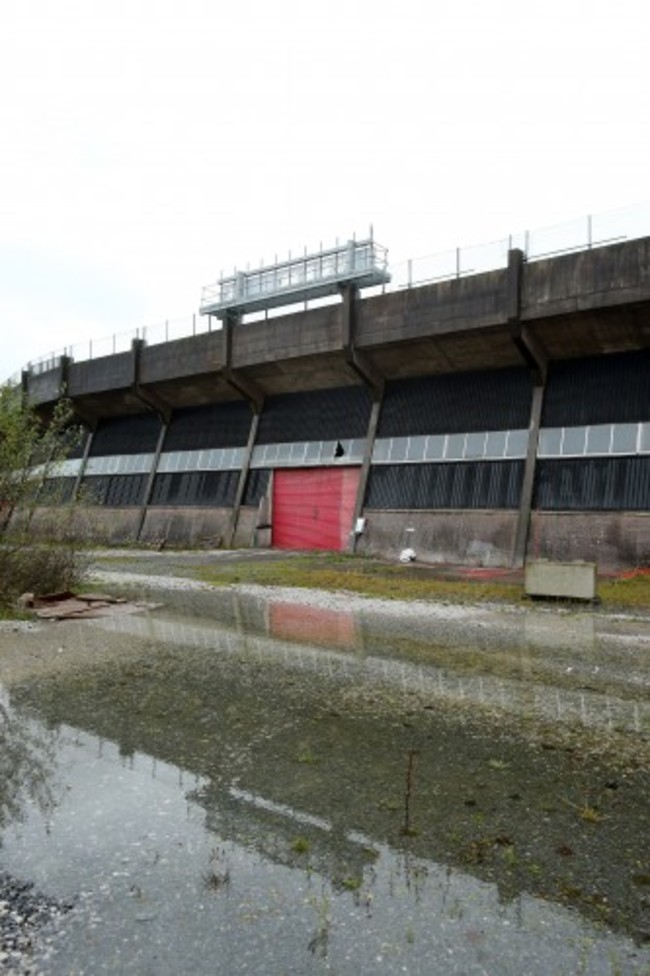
(592, 230)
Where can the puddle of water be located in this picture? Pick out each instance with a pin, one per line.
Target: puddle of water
(227, 798)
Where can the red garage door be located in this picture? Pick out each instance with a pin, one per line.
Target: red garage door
(313, 508)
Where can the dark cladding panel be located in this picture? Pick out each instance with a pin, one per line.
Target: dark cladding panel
(215, 488)
(75, 441)
(483, 484)
(256, 486)
(115, 491)
(593, 484)
(214, 425)
(457, 403)
(315, 416)
(598, 390)
(56, 491)
(137, 434)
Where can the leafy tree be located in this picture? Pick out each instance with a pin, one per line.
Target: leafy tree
(30, 451)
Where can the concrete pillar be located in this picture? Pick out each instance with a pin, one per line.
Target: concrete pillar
(82, 467)
(526, 498)
(372, 379)
(243, 477)
(536, 359)
(373, 423)
(148, 491)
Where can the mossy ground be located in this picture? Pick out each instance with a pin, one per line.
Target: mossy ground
(376, 578)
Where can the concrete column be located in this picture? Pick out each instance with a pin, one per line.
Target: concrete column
(82, 468)
(373, 423)
(372, 379)
(148, 491)
(243, 477)
(526, 498)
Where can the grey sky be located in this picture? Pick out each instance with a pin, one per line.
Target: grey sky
(147, 145)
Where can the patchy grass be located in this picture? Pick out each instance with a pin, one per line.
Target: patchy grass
(356, 574)
(629, 590)
(394, 581)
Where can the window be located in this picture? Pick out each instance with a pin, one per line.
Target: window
(574, 439)
(599, 439)
(455, 450)
(475, 446)
(435, 447)
(517, 443)
(416, 448)
(495, 444)
(624, 438)
(550, 442)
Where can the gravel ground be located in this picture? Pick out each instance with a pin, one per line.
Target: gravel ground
(28, 924)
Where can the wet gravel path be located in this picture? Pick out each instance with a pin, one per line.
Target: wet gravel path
(28, 926)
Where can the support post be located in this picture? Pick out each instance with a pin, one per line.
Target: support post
(82, 467)
(243, 476)
(536, 359)
(250, 390)
(528, 484)
(373, 423)
(148, 491)
(374, 381)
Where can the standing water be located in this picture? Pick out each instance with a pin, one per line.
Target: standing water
(238, 783)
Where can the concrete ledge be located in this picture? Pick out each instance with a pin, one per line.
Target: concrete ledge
(571, 581)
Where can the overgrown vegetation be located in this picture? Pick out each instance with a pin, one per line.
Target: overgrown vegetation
(31, 558)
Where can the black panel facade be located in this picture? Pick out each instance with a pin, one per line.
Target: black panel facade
(217, 488)
(596, 484)
(75, 442)
(256, 486)
(598, 390)
(457, 403)
(56, 491)
(483, 484)
(115, 490)
(316, 416)
(137, 434)
(215, 425)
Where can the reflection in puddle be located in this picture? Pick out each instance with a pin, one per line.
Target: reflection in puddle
(228, 797)
(172, 874)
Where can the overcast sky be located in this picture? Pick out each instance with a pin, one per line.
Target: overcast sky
(148, 144)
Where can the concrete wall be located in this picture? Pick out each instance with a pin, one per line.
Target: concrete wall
(186, 526)
(101, 375)
(310, 333)
(473, 538)
(190, 356)
(475, 302)
(99, 525)
(587, 280)
(45, 387)
(612, 540)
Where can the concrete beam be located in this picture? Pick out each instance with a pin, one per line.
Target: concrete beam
(148, 398)
(528, 347)
(357, 361)
(243, 385)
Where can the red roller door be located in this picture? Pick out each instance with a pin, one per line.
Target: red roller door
(313, 508)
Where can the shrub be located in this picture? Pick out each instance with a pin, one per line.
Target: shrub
(30, 451)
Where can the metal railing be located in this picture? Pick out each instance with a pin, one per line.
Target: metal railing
(590, 231)
(298, 279)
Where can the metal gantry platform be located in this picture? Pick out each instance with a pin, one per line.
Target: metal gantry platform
(362, 263)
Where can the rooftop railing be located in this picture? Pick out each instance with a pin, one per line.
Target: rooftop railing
(292, 279)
